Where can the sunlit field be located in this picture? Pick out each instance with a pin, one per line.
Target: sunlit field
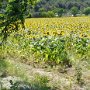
(44, 44)
(79, 26)
(58, 45)
(53, 40)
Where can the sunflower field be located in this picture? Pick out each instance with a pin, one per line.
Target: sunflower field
(51, 40)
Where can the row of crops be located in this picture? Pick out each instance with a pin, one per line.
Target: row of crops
(53, 41)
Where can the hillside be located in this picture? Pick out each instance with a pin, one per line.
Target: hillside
(52, 8)
(55, 5)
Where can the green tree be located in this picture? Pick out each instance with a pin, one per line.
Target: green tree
(74, 10)
(14, 16)
(87, 11)
(59, 11)
(43, 14)
(50, 14)
(47, 14)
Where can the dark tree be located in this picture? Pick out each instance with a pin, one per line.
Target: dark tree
(13, 16)
(87, 11)
(74, 11)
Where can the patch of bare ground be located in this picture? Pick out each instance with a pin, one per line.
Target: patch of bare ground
(57, 79)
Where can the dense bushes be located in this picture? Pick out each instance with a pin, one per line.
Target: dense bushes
(62, 7)
(87, 11)
(54, 50)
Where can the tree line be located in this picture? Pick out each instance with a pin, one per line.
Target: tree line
(52, 8)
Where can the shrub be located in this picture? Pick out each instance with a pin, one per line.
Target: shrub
(87, 11)
(74, 10)
(51, 50)
(47, 14)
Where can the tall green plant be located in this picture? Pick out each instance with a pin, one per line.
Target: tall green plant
(74, 10)
(51, 50)
(14, 16)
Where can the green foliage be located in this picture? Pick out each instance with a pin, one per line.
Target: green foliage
(66, 5)
(56, 50)
(51, 50)
(13, 16)
(82, 46)
(59, 11)
(47, 14)
(74, 10)
(87, 11)
(50, 14)
(41, 9)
